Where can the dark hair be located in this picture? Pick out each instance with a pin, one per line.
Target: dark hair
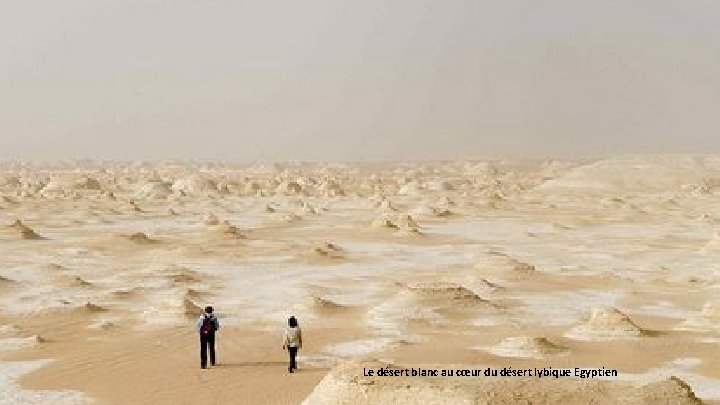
(292, 322)
(209, 309)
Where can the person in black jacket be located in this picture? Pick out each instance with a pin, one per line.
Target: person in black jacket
(206, 326)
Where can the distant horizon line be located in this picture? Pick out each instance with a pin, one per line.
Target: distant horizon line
(479, 158)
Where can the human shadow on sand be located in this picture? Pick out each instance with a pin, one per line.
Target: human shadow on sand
(251, 364)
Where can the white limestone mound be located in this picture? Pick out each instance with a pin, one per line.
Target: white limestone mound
(447, 295)
(644, 174)
(493, 197)
(54, 267)
(7, 200)
(707, 218)
(15, 343)
(328, 250)
(439, 185)
(66, 280)
(307, 208)
(102, 324)
(81, 309)
(191, 310)
(230, 231)
(252, 188)
(87, 183)
(155, 190)
(195, 295)
(323, 306)
(91, 308)
(210, 219)
(505, 267)
(383, 221)
(385, 206)
(24, 231)
(346, 384)
(398, 222)
(481, 169)
(288, 188)
(56, 187)
(126, 293)
(10, 181)
(708, 320)
(446, 201)
(404, 309)
(703, 187)
(606, 324)
(526, 347)
(224, 188)
(441, 212)
(431, 211)
(332, 188)
(141, 238)
(291, 218)
(406, 221)
(174, 306)
(481, 284)
(179, 275)
(408, 233)
(195, 184)
(134, 207)
(5, 281)
(410, 189)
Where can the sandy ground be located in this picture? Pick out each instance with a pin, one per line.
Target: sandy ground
(163, 367)
(465, 264)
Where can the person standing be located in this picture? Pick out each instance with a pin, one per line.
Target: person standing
(292, 341)
(206, 326)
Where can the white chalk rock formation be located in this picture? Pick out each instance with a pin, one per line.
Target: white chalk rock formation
(525, 347)
(347, 385)
(606, 324)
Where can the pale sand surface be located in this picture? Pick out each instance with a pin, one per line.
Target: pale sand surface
(462, 264)
(162, 367)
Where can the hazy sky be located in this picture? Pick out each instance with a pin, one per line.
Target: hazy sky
(365, 79)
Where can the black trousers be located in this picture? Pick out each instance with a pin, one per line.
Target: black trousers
(207, 342)
(293, 353)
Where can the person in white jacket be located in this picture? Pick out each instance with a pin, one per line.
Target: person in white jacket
(292, 341)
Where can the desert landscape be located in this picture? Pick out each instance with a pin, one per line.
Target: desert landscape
(457, 264)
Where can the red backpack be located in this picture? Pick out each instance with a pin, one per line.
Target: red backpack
(208, 325)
